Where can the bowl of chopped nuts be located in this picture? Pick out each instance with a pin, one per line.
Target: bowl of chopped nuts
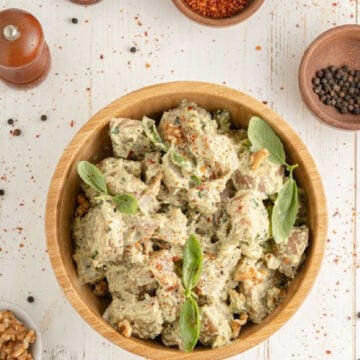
(218, 13)
(329, 77)
(19, 335)
(186, 220)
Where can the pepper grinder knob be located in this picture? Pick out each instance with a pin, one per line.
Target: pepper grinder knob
(24, 55)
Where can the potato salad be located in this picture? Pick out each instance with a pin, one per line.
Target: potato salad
(190, 173)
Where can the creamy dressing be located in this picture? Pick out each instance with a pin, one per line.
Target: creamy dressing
(191, 174)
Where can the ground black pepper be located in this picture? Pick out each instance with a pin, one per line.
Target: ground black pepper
(43, 117)
(30, 299)
(339, 87)
(74, 20)
(10, 121)
(133, 49)
(16, 132)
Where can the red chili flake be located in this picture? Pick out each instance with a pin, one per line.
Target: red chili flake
(217, 8)
(158, 267)
(147, 65)
(21, 245)
(88, 89)
(257, 47)
(130, 155)
(328, 352)
(101, 56)
(171, 288)
(176, 258)
(72, 123)
(151, 161)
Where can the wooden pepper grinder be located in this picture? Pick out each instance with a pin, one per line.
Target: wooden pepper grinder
(24, 55)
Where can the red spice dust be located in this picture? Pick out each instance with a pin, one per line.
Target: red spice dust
(257, 47)
(217, 8)
(328, 352)
(72, 123)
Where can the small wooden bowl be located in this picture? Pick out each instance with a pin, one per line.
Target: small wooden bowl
(253, 6)
(337, 46)
(92, 143)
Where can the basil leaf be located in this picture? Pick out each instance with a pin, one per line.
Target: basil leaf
(151, 132)
(190, 323)
(262, 136)
(192, 263)
(126, 203)
(92, 176)
(284, 212)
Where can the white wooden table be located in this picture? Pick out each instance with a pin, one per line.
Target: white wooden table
(91, 66)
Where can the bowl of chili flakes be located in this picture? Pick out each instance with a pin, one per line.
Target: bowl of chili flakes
(218, 13)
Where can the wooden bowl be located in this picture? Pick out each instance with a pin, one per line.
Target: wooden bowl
(92, 143)
(337, 46)
(253, 6)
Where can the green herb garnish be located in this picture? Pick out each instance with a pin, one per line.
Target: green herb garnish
(190, 314)
(286, 206)
(151, 132)
(92, 176)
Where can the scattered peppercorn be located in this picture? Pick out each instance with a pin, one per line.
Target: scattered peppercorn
(358, 314)
(30, 299)
(2, 192)
(339, 87)
(43, 117)
(10, 121)
(217, 8)
(74, 20)
(133, 49)
(16, 132)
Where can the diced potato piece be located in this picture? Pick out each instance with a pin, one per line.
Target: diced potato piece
(266, 177)
(128, 139)
(144, 315)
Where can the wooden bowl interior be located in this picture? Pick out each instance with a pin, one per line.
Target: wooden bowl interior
(250, 9)
(92, 143)
(338, 46)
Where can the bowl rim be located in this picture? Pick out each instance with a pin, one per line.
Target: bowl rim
(221, 22)
(22, 315)
(306, 88)
(290, 306)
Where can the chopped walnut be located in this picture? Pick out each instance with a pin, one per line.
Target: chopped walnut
(101, 288)
(83, 205)
(257, 157)
(125, 328)
(15, 338)
(243, 318)
(235, 328)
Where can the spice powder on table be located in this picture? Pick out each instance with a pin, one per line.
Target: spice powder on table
(217, 8)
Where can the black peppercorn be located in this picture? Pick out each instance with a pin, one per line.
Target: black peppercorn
(10, 121)
(43, 118)
(338, 87)
(74, 20)
(30, 299)
(133, 49)
(2, 192)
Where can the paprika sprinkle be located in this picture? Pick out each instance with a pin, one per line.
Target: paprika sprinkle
(217, 9)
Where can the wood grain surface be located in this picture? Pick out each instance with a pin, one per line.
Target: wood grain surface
(91, 66)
